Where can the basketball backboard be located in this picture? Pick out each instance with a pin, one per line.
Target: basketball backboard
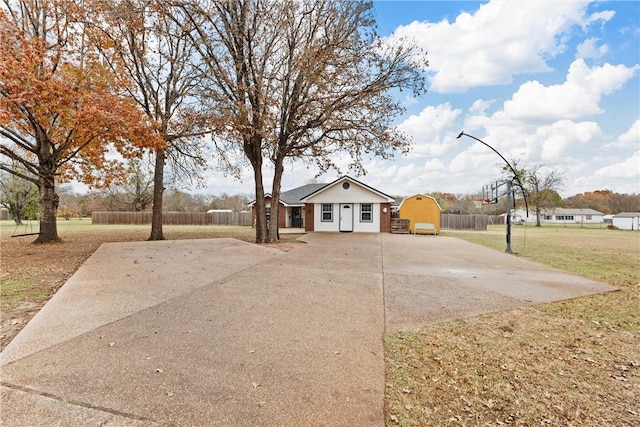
(494, 191)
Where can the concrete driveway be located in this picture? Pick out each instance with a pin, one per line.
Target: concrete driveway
(222, 332)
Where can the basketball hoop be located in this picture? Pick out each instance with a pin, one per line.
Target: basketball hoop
(481, 202)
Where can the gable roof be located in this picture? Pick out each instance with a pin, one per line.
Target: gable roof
(627, 215)
(347, 178)
(561, 211)
(420, 195)
(573, 211)
(295, 195)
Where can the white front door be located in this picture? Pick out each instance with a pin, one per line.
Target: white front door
(346, 217)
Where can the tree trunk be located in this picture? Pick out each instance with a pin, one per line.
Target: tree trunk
(48, 208)
(538, 221)
(158, 191)
(274, 232)
(261, 207)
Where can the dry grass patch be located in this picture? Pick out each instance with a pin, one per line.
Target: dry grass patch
(569, 363)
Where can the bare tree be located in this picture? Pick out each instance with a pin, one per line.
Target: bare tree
(540, 186)
(335, 89)
(153, 49)
(303, 81)
(236, 202)
(136, 194)
(18, 195)
(237, 41)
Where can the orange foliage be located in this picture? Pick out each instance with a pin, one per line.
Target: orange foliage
(67, 113)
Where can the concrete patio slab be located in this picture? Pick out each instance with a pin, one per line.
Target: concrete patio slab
(220, 332)
(433, 278)
(120, 279)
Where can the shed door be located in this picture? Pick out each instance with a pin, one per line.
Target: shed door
(346, 217)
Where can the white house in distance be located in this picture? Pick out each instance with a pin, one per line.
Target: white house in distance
(347, 205)
(627, 221)
(562, 216)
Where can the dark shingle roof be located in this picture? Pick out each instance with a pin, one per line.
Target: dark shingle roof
(293, 196)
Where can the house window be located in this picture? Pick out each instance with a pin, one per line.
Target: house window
(588, 217)
(366, 212)
(327, 212)
(548, 217)
(268, 210)
(564, 218)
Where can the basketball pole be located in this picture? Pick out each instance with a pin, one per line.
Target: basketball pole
(508, 216)
(509, 189)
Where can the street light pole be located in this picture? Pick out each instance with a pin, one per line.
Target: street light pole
(509, 190)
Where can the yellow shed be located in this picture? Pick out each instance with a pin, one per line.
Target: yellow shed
(420, 209)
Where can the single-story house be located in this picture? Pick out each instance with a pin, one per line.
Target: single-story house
(348, 205)
(420, 208)
(561, 216)
(345, 205)
(627, 221)
(291, 212)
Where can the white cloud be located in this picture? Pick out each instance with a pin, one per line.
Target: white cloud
(601, 16)
(625, 169)
(630, 138)
(479, 106)
(560, 139)
(501, 39)
(430, 129)
(578, 96)
(590, 49)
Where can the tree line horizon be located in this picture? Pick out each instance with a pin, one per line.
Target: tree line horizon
(245, 82)
(88, 89)
(138, 198)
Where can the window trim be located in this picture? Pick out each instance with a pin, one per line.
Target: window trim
(322, 212)
(362, 212)
(570, 217)
(565, 218)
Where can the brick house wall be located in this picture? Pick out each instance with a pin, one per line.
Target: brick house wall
(385, 217)
(308, 217)
(281, 214)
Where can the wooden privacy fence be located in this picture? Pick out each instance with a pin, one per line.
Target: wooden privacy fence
(468, 222)
(173, 218)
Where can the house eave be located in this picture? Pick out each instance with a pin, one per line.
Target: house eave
(355, 181)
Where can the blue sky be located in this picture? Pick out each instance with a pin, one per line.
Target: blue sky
(549, 83)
